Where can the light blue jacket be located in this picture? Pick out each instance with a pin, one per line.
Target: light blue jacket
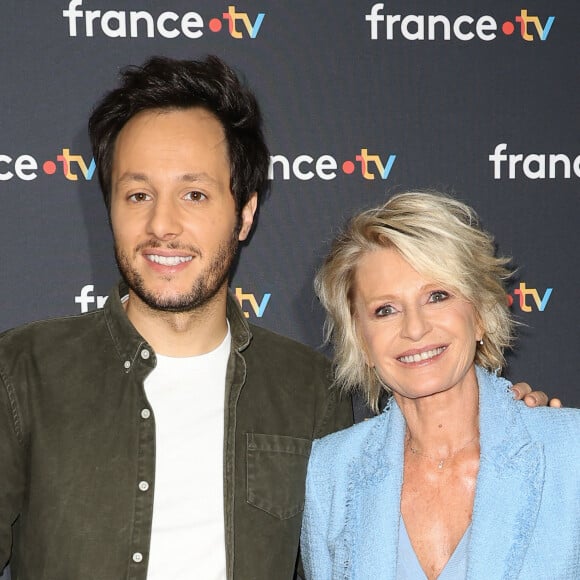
(526, 513)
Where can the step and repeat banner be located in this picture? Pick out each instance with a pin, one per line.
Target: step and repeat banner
(361, 99)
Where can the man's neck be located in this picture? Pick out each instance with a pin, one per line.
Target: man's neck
(180, 334)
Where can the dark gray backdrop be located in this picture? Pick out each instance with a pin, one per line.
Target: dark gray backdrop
(328, 90)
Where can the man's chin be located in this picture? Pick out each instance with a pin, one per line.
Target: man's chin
(172, 303)
(175, 302)
(174, 297)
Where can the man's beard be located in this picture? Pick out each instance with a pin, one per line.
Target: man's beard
(204, 288)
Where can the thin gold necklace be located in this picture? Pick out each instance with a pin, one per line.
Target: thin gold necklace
(440, 462)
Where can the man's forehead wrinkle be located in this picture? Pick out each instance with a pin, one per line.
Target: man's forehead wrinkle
(200, 176)
(196, 177)
(132, 176)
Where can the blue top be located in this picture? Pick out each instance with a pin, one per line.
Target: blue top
(526, 510)
(408, 567)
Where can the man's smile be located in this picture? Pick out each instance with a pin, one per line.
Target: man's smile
(168, 260)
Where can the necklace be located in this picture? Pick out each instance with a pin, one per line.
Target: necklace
(440, 462)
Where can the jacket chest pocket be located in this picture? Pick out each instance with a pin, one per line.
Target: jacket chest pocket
(276, 473)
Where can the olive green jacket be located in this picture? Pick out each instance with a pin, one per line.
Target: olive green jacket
(77, 447)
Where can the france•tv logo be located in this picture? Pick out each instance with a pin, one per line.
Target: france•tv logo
(250, 299)
(26, 167)
(464, 27)
(168, 24)
(305, 167)
(523, 293)
(73, 166)
(88, 300)
(533, 165)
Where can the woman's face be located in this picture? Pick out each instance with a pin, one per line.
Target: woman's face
(420, 336)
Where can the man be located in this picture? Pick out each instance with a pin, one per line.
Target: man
(122, 454)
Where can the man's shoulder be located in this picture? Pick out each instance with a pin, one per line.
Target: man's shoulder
(297, 379)
(52, 332)
(268, 343)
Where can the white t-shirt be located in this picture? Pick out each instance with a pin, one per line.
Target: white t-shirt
(187, 399)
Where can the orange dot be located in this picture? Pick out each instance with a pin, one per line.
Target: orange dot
(348, 167)
(49, 167)
(508, 27)
(215, 24)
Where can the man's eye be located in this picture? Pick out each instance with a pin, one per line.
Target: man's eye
(438, 296)
(139, 196)
(195, 196)
(385, 310)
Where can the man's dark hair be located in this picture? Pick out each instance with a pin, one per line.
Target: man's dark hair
(165, 83)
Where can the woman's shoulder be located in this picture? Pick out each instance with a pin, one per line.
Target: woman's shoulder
(339, 448)
(551, 424)
(542, 423)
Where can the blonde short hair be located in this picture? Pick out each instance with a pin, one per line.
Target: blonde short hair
(441, 238)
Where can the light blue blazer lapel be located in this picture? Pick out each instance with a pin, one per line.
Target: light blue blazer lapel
(369, 544)
(509, 485)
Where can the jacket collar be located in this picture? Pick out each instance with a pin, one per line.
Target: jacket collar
(129, 343)
(509, 484)
(239, 328)
(507, 498)
(368, 546)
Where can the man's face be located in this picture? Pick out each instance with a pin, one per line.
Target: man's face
(173, 215)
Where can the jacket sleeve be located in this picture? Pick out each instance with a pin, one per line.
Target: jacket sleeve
(316, 557)
(12, 470)
(334, 412)
(336, 407)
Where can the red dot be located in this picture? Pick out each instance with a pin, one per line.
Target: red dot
(508, 27)
(215, 24)
(348, 167)
(49, 167)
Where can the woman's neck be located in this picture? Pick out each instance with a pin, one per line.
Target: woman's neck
(441, 424)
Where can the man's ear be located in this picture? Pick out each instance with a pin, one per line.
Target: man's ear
(247, 216)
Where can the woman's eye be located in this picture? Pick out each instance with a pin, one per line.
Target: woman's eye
(438, 296)
(385, 310)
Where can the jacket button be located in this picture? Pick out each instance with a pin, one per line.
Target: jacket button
(143, 486)
(137, 557)
(145, 413)
(145, 354)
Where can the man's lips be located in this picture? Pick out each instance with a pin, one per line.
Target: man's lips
(170, 256)
(172, 260)
(421, 356)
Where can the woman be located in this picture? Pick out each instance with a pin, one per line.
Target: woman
(454, 479)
